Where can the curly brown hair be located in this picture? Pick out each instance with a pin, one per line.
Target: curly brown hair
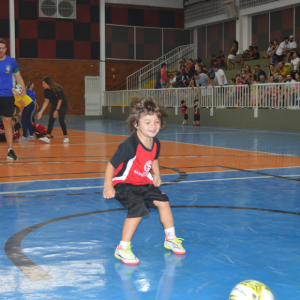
(142, 107)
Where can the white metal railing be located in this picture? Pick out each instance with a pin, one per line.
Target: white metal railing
(205, 9)
(277, 95)
(250, 3)
(146, 76)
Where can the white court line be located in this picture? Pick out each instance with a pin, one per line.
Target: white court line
(56, 145)
(97, 187)
(27, 181)
(289, 155)
(51, 190)
(176, 133)
(253, 131)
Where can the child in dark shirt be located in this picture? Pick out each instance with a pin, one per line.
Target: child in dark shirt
(129, 180)
(184, 112)
(196, 113)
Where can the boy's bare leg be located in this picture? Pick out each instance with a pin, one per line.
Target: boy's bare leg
(165, 214)
(129, 228)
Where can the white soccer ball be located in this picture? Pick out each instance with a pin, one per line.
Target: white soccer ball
(251, 290)
(17, 89)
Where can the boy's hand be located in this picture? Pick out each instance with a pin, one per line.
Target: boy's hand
(156, 181)
(109, 192)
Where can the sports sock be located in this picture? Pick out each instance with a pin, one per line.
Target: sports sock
(170, 233)
(9, 149)
(124, 244)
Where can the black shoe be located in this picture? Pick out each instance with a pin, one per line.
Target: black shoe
(11, 155)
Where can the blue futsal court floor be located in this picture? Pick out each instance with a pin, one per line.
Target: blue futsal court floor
(58, 237)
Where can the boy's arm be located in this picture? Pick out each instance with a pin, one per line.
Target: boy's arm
(109, 191)
(156, 177)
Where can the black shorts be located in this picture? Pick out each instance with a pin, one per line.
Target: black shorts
(186, 116)
(196, 117)
(7, 106)
(138, 198)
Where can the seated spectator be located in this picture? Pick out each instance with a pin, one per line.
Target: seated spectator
(260, 72)
(157, 79)
(204, 69)
(289, 79)
(280, 79)
(213, 61)
(276, 74)
(247, 70)
(198, 63)
(238, 80)
(164, 76)
(172, 79)
(220, 76)
(297, 87)
(18, 127)
(222, 58)
(292, 48)
(191, 68)
(281, 50)
(242, 74)
(270, 53)
(290, 91)
(182, 70)
(16, 133)
(253, 56)
(219, 62)
(253, 74)
(178, 76)
(263, 91)
(295, 62)
(248, 79)
(232, 92)
(248, 53)
(271, 72)
(283, 70)
(262, 79)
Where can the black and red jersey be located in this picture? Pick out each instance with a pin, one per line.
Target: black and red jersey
(184, 109)
(133, 161)
(196, 110)
(39, 128)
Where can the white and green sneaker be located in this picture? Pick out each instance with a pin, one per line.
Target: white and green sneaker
(175, 245)
(126, 255)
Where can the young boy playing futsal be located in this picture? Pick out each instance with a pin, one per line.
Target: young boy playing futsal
(184, 112)
(129, 180)
(196, 113)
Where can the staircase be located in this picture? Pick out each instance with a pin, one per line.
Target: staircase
(145, 78)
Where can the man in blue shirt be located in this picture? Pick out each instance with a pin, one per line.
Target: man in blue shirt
(8, 68)
(260, 72)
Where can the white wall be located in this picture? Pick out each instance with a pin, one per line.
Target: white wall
(155, 3)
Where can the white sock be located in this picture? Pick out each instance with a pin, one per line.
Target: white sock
(124, 244)
(170, 233)
(9, 149)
